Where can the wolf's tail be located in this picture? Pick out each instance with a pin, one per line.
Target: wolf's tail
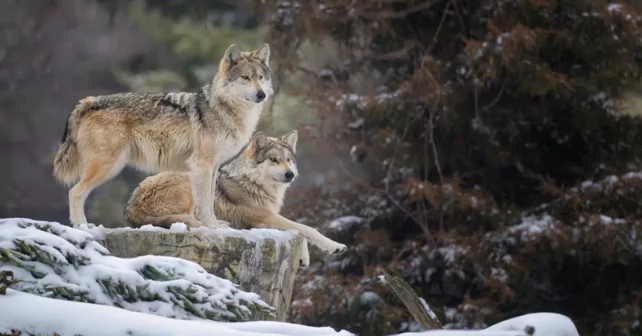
(66, 165)
(137, 215)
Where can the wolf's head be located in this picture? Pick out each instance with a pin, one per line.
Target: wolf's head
(245, 75)
(272, 159)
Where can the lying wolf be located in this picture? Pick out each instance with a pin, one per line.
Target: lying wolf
(193, 132)
(250, 191)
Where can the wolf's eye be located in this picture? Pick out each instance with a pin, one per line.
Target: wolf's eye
(274, 160)
(260, 77)
(245, 77)
(288, 160)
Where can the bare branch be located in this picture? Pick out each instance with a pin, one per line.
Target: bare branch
(435, 154)
(499, 95)
(419, 310)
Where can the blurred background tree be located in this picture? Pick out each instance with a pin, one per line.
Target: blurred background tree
(477, 126)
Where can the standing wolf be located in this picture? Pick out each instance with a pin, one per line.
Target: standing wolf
(250, 191)
(187, 131)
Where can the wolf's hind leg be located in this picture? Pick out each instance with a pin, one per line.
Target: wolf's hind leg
(97, 172)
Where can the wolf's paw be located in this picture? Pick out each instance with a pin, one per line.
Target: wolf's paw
(210, 223)
(339, 249)
(220, 224)
(304, 260)
(85, 226)
(193, 224)
(333, 247)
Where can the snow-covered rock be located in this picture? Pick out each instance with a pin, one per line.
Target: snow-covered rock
(53, 260)
(262, 261)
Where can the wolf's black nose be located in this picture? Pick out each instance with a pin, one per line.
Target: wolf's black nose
(289, 175)
(260, 95)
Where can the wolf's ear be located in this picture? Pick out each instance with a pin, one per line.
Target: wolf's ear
(290, 138)
(263, 53)
(232, 54)
(259, 140)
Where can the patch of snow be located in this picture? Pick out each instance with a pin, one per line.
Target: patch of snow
(606, 219)
(499, 274)
(364, 101)
(532, 226)
(344, 222)
(178, 227)
(614, 7)
(464, 333)
(545, 324)
(43, 316)
(369, 297)
(448, 253)
(427, 309)
(356, 124)
(252, 235)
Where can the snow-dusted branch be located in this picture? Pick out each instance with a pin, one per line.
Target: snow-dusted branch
(416, 305)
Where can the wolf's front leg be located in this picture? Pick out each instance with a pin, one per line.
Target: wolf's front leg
(304, 260)
(200, 178)
(309, 233)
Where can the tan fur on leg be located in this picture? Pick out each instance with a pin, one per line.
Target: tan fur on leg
(96, 173)
(276, 221)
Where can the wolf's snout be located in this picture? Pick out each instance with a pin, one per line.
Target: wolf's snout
(260, 96)
(289, 175)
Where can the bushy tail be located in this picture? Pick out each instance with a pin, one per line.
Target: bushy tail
(66, 165)
(137, 213)
(133, 216)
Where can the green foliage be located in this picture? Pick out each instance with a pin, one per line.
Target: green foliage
(198, 44)
(6, 280)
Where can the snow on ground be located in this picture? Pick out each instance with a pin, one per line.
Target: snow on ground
(58, 261)
(464, 333)
(44, 316)
(545, 324)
